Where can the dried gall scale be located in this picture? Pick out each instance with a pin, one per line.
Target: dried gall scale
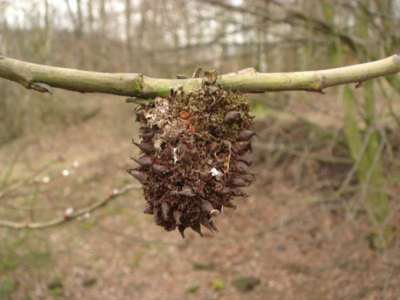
(195, 156)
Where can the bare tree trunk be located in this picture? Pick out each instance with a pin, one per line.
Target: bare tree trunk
(128, 32)
(261, 33)
(80, 24)
(46, 15)
(103, 26)
(90, 16)
(77, 20)
(103, 17)
(48, 30)
(142, 24)
(143, 7)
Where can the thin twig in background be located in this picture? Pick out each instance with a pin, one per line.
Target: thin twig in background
(69, 214)
(16, 186)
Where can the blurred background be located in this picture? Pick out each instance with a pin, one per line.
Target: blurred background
(322, 219)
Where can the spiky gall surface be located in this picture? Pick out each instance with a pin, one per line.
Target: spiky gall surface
(195, 156)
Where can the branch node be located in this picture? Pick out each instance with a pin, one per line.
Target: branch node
(40, 87)
(138, 84)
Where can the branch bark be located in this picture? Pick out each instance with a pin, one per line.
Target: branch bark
(42, 77)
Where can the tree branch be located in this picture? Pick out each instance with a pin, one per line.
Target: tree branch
(42, 78)
(69, 214)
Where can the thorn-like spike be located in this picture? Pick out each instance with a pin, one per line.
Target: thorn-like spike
(144, 161)
(248, 177)
(146, 147)
(241, 147)
(241, 167)
(246, 135)
(246, 158)
(165, 210)
(197, 228)
(177, 216)
(148, 210)
(238, 193)
(157, 218)
(213, 226)
(232, 116)
(207, 224)
(139, 176)
(140, 116)
(181, 230)
(239, 182)
(225, 191)
(206, 206)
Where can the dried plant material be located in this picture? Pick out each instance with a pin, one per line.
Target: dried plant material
(195, 156)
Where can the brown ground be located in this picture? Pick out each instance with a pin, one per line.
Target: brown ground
(282, 235)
